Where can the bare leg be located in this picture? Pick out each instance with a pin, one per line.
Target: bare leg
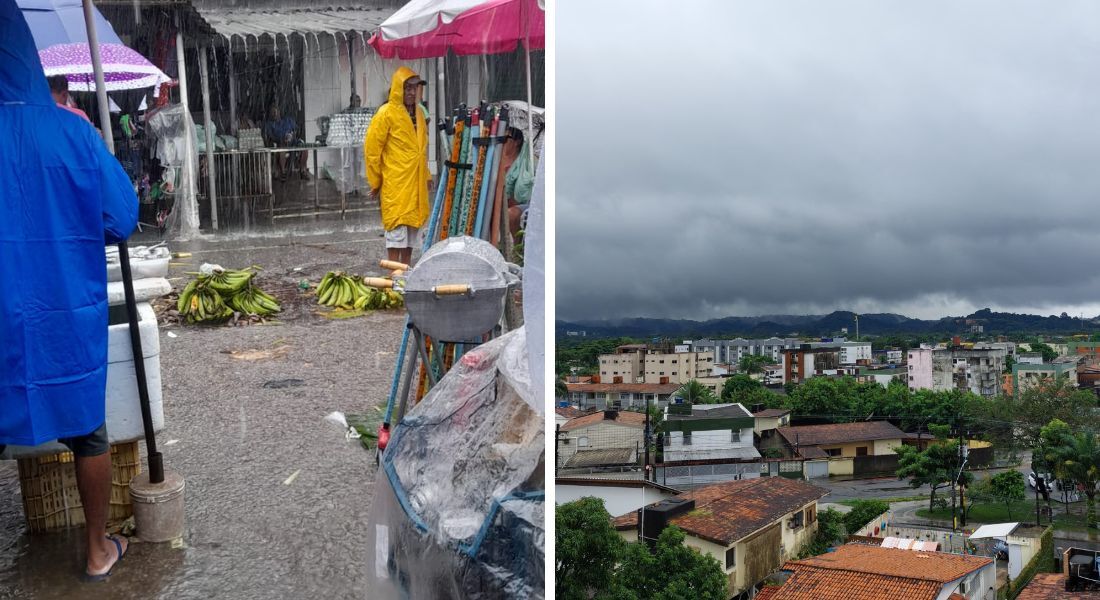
(93, 480)
(393, 254)
(514, 216)
(303, 162)
(405, 255)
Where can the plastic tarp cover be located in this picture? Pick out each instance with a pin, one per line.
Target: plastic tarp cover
(458, 505)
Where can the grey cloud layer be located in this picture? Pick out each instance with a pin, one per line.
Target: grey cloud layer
(756, 157)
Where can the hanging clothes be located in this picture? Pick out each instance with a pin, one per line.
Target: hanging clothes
(396, 156)
(62, 196)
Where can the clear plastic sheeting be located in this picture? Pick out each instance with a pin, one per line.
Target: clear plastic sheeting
(171, 130)
(458, 505)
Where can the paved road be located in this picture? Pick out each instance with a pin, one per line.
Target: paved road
(236, 429)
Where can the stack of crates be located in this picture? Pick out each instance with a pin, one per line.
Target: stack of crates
(51, 500)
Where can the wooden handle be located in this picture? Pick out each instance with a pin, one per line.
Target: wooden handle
(393, 265)
(453, 289)
(378, 282)
(397, 273)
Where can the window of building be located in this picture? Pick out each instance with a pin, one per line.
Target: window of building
(582, 441)
(687, 438)
(735, 436)
(861, 450)
(731, 558)
(797, 520)
(811, 515)
(833, 451)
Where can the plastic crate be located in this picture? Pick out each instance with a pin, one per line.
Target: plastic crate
(51, 500)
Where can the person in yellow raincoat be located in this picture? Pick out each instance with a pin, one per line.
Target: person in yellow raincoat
(396, 156)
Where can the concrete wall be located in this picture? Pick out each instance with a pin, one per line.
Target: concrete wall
(599, 436)
(920, 369)
(630, 366)
(874, 447)
(841, 466)
(678, 367)
(707, 445)
(617, 500)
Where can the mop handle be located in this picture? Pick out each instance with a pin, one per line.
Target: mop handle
(393, 265)
(452, 289)
(378, 282)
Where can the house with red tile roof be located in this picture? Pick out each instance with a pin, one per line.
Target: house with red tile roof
(860, 572)
(750, 526)
(858, 448)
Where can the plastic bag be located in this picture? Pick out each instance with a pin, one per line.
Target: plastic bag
(520, 180)
(458, 505)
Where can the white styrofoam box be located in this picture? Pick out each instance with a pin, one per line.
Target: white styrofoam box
(144, 290)
(145, 262)
(123, 406)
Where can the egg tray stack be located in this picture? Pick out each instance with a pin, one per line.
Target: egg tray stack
(250, 139)
(348, 129)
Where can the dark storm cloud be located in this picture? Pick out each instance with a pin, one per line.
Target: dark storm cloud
(759, 157)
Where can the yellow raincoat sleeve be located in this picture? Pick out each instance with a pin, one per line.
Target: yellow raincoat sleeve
(372, 150)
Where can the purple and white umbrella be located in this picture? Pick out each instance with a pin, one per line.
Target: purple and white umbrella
(61, 36)
(123, 68)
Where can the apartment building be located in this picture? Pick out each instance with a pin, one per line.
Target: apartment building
(977, 371)
(677, 367)
(625, 365)
(732, 351)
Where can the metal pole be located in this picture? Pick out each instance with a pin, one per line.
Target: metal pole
(530, 106)
(441, 146)
(188, 142)
(211, 192)
(100, 85)
(233, 124)
(156, 462)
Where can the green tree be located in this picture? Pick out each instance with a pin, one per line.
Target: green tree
(738, 387)
(561, 391)
(1007, 487)
(753, 363)
(934, 466)
(1077, 455)
(830, 532)
(1009, 361)
(1049, 399)
(671, 571)
(863, 511)
(694, 392)
(1048, 353)
(587, 549)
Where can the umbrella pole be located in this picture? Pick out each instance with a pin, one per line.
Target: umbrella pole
(100, 84)
(156, 468)
(530, 105)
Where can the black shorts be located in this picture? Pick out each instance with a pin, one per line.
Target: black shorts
(86, 446)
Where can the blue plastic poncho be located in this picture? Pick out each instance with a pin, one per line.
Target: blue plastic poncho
(62, 197)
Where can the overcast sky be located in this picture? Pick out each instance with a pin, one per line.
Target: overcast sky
(744, 158)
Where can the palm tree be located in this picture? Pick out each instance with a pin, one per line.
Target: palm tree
(694, 392)
(1079, 456)
(561, 391)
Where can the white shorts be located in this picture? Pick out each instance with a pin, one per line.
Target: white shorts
(403, 236)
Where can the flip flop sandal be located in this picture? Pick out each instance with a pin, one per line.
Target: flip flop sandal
(89, 578)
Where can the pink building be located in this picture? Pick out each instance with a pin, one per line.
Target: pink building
(920, 368)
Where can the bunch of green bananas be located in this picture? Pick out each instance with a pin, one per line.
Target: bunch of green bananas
(253, 301)
(230, 281)
(199, 302)
(379, 299)
(349, 291)
(340, 289)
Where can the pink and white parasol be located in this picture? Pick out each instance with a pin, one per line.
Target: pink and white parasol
(123, 68)
(429, 28)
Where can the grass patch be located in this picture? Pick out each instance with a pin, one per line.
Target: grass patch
(700, 512)
(853, 502)
(1022, 511)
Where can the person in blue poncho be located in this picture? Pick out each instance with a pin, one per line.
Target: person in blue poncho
(62, 198)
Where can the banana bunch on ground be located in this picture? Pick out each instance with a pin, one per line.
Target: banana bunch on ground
(198, 302)
(215, 296)
(253, 301)
(376, 299)
(230, 281)
(341, 290)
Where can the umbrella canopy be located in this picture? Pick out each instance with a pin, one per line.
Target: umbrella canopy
(429, 28)
(61, 37)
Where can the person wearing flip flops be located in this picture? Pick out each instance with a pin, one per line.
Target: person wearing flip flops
(63, 196)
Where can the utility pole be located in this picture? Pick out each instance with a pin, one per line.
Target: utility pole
(557, 442)
(857, 325)
(646, 439)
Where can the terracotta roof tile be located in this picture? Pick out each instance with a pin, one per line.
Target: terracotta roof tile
(836, 433)
(622, 417)
(569, 412)
(940, 567)
(1052, 586)
(855, 572)
(767, 592)
(629, 388)
(730, 511)
(823, 584)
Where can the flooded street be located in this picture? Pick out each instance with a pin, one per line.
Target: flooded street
(243, 413)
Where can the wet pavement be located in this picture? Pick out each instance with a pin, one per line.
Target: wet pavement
(238, 425)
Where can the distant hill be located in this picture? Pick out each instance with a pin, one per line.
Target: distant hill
(830, 324)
